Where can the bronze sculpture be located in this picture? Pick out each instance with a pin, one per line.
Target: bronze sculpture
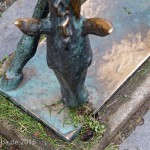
(68, 48)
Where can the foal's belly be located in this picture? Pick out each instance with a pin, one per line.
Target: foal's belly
(73, 56)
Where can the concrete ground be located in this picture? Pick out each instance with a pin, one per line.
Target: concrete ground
(136, 96)
(8, 31)
(139, 139)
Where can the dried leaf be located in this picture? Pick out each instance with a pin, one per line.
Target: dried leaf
(87, 135)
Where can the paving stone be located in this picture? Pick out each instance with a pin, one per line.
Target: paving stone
(139, 138)
(9, 34)
(119, 118)
(138, 97)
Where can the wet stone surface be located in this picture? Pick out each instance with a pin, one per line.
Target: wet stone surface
(4, 4)
(10, 35)
(139, 139)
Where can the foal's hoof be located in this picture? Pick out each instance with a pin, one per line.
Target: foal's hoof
(10, 82)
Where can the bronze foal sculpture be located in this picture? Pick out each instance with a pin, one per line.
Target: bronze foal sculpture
(68, 49)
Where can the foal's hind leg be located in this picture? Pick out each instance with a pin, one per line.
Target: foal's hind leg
(25, 51)
(73, 90)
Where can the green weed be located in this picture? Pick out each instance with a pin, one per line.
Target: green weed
(30, 127)
(112, 147)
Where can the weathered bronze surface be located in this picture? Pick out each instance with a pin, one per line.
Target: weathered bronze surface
(115, 58)
(68, 49)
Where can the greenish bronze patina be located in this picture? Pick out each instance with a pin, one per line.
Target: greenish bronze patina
(68, 49)
(115, 58)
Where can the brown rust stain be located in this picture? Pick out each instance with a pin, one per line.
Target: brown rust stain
(76, 4)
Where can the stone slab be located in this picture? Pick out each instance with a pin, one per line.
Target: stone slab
(9, 34)
(119, 118)
(126, 110)
(116, 57)
(139, 138)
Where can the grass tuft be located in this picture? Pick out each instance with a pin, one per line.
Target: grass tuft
(34, 129)
(112, 147)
